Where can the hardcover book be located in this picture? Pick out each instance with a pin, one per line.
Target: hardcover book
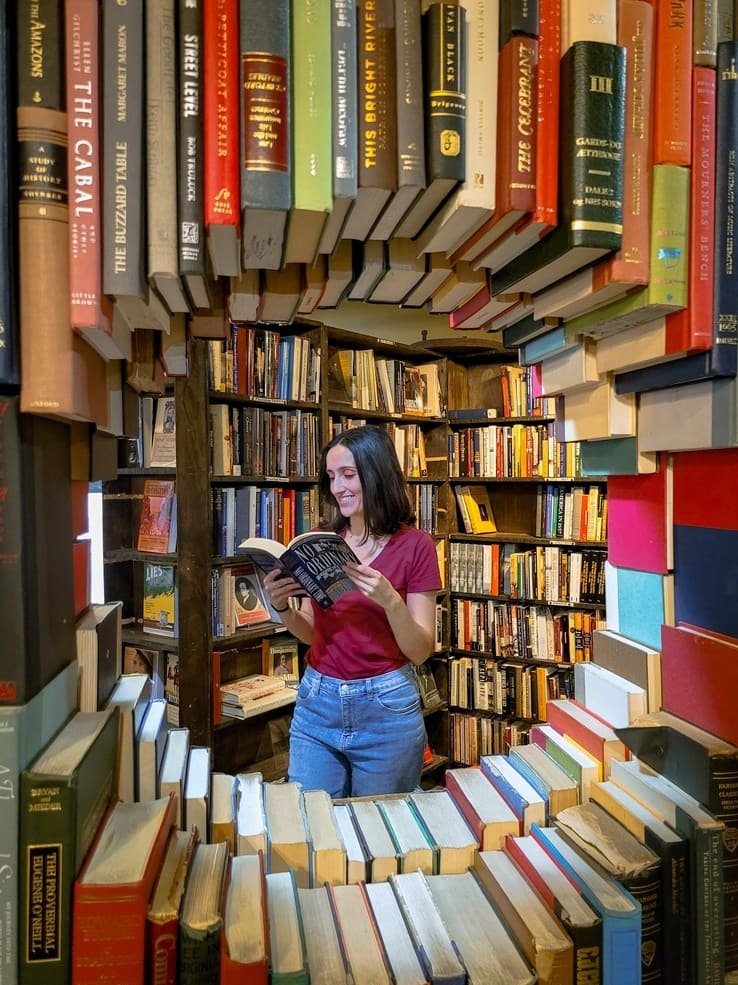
(482, 805)
(315, 559)
(64, 794)
(358, 936)
(201, 917)
(592, 116)
(112, 891)
(162, 917)
(288, 954)
(98, 633)
(325, 955)
(454, 840)
(157, 528)
(9, 329)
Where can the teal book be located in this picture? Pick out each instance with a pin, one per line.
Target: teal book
(639, 603)
(591, 171)
(24, 731)
(64, 794)
(615, 456)
(619, 911)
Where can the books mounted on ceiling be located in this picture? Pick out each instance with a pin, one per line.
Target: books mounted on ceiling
(157, 528)
(476, 509)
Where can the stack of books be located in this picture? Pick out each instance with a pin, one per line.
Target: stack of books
(254, 694)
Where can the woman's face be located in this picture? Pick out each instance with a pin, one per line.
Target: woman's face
(345, 482)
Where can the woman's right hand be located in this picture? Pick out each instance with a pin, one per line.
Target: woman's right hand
(280, 587)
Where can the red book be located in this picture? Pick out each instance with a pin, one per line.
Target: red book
(690, 329)
(699, 673)
(516, 145)
(111, 893)
(245, 908)
(672, 116)
(91, 312)
(162, 919)
(482, 806)
(545, 213)
(640, 522)
(221, 42)
(587, 730)
(704, 489)
(480, 309)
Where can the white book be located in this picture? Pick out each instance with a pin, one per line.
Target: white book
(486, 810)
(251, 830)
(599, 412)
(151, 742)
(174, 769)
(324, 954)
(427, 929)
(223, 809)
(528, 805)
(131, 694)
(197, 791)
(380, 848)
(455, 842)
(573, 369)
(357, 860)
(574, 760)
(289, 837)
(244, 925)
(286, 939)
(637, 662)
(489, 954)
(413, 846)
(362, 945)
(329, 851)
(399, 948)
(615, 699)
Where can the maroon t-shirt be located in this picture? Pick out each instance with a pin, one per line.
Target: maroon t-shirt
(352, 638)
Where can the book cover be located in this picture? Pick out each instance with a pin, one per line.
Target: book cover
(160, 599)
(9, 329)
(628, 658)
(671, 117)
(24, 731)
(157, 528)
(484, 808)
(619, 911)
(98, 633)
(640, 517)
(36, 578)
(564, 900)
(164, 436)
(580, 725)
(539, 936)
(221, 158)
(590, 225)
(162, 917)
(640, 602)
(131, 694)
(315, 559)
(377, 116)
(478, 932)
(191, 244)
(613, 698)
(476, 509)
(266, 141)
(345, 119)
(444, 89)
(64, 794)
(201, 916)
(112, 891)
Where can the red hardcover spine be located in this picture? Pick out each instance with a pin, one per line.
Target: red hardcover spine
(109, 920)
(547, 136)
(576, 730)
(221, 114)
(672, 116)
(161, 952)
(690, 329)
(465, 807)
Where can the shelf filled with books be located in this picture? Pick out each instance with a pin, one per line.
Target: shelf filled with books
(526, 557)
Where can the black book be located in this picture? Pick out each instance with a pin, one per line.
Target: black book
(8, 198)
(518, 17)
(36, 574)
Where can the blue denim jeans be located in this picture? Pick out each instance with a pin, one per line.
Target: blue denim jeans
(357, 738)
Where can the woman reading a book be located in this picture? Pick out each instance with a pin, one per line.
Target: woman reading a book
(357, 729)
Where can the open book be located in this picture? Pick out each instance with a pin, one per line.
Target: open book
(314, 559)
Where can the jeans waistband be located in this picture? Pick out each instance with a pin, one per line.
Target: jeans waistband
(360, 685)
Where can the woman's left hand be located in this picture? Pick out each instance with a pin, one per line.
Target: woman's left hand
(372, 584)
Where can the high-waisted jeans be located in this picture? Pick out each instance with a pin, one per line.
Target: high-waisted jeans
(357, 738)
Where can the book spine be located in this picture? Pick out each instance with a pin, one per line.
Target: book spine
(9, 335)
(377, 80)
(444, 71)
(673, 73)
(704, 32)
(190, 157)
(547, 109)
(222, 197)
(409, 92)
(11, 764)
(676, 907)
(161, 951)
(725, 320)
(108, 936)
(266, 149)
(518, 18)
(516, 148)
(592, 132)
(647, 889)
(123, 150)
(706, 876)
(199, 955)
(83, 102)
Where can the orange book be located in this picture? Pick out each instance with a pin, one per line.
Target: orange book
(111, 893)
(672, 116)
(245, 909)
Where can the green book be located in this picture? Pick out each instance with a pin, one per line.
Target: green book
(312, 166)
(24, 731)
(64, 794)
(666, 291)
(288, 954)
(591, 171)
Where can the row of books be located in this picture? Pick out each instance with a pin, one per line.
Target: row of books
(260, 362)
(510, 690)
(259, 441)
(260, 511)
(506, 630)
(512, 451)
(366, 381)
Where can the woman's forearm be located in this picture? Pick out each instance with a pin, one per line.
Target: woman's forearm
(299, 622)
(412, 624)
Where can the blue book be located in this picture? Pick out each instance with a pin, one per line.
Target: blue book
(704, 593)
(437, 951)
(526, 803)
(614, 456)
(619, 911)
(638, 602)
(550, 343)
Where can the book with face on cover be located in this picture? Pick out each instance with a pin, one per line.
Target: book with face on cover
(315, 559)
